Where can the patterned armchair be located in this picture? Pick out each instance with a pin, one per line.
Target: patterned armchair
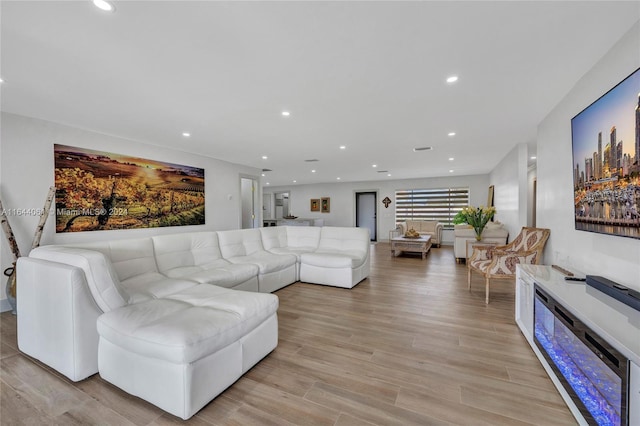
(499, 262)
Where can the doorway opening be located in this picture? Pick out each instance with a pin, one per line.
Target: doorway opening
(249, 202)
(282, 205)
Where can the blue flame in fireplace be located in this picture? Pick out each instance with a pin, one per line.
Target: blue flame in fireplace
(591, 379)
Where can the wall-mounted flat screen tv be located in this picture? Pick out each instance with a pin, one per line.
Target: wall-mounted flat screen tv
(606, 162)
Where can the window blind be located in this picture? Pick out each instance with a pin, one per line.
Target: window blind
(431, 204)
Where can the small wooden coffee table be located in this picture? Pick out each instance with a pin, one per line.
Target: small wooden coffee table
(411, 245)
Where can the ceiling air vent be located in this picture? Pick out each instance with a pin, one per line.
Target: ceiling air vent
(423, 148)
(313, 160)
(267, 170)
(383, 171)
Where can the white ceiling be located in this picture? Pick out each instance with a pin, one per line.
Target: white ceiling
(368, 75)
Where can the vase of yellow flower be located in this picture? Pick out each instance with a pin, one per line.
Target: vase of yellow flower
(478, 217)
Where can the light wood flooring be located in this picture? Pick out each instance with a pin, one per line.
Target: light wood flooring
(409, 345)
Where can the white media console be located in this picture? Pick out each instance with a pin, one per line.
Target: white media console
(615, 322)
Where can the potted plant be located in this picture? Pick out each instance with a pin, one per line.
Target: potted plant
(477, 217)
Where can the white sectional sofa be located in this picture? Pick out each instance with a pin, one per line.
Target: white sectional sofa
(163, 317)
(341, 259)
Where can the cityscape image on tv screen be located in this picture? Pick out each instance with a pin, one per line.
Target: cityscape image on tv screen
(606, 162)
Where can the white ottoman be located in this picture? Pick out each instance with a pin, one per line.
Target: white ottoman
(181, 351)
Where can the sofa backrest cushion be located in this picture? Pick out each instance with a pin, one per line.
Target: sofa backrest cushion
(190, 249)
(130, 258)
(344, 239)
(241, 242)
(101, 277)
(428, 226)
(307, 237)
(422, 225)
(274, 237)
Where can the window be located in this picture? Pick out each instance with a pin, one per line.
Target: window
(431, 204)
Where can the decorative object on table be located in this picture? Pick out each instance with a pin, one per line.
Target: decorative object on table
(411, 233)
(386, 202)
(290, 217)
(98, 190)
(477, 217)
(325, 204)
(499, 262)
(315, 205)
(15, 250)
(562, 270)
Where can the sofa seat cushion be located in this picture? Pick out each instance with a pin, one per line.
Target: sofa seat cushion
(187, 325)
(185, 270)
(266, 262)
(225, 275)
(333, 260)
(296, 251)
(153, 285)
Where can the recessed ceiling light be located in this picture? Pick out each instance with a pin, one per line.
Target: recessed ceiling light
(452, 79)
(450, 158)
(313, 171)
(338, 178)
(104, 5)
(533, 157)
(389, 174)
(264, 157)
(1, 80)
(374, 165)
(263, 175)
(343, 147)
(451, 134)
(186, 134)
(286, 113)
(268, 183)
(294, 181)
(450, 171)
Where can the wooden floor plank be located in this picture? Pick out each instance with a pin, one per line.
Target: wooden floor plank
(92, 412)
(47, 392)
(14, 409)
(366, 408)
(450, 412)
(408, 345)
(132, 408)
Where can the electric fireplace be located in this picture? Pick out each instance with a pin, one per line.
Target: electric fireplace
(593, 373)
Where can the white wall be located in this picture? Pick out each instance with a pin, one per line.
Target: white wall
(510, 194)
(26, 159)
(343, 210)
(613, 257)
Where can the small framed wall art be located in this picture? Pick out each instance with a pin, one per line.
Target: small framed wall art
(315, 205)
(325, 204)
